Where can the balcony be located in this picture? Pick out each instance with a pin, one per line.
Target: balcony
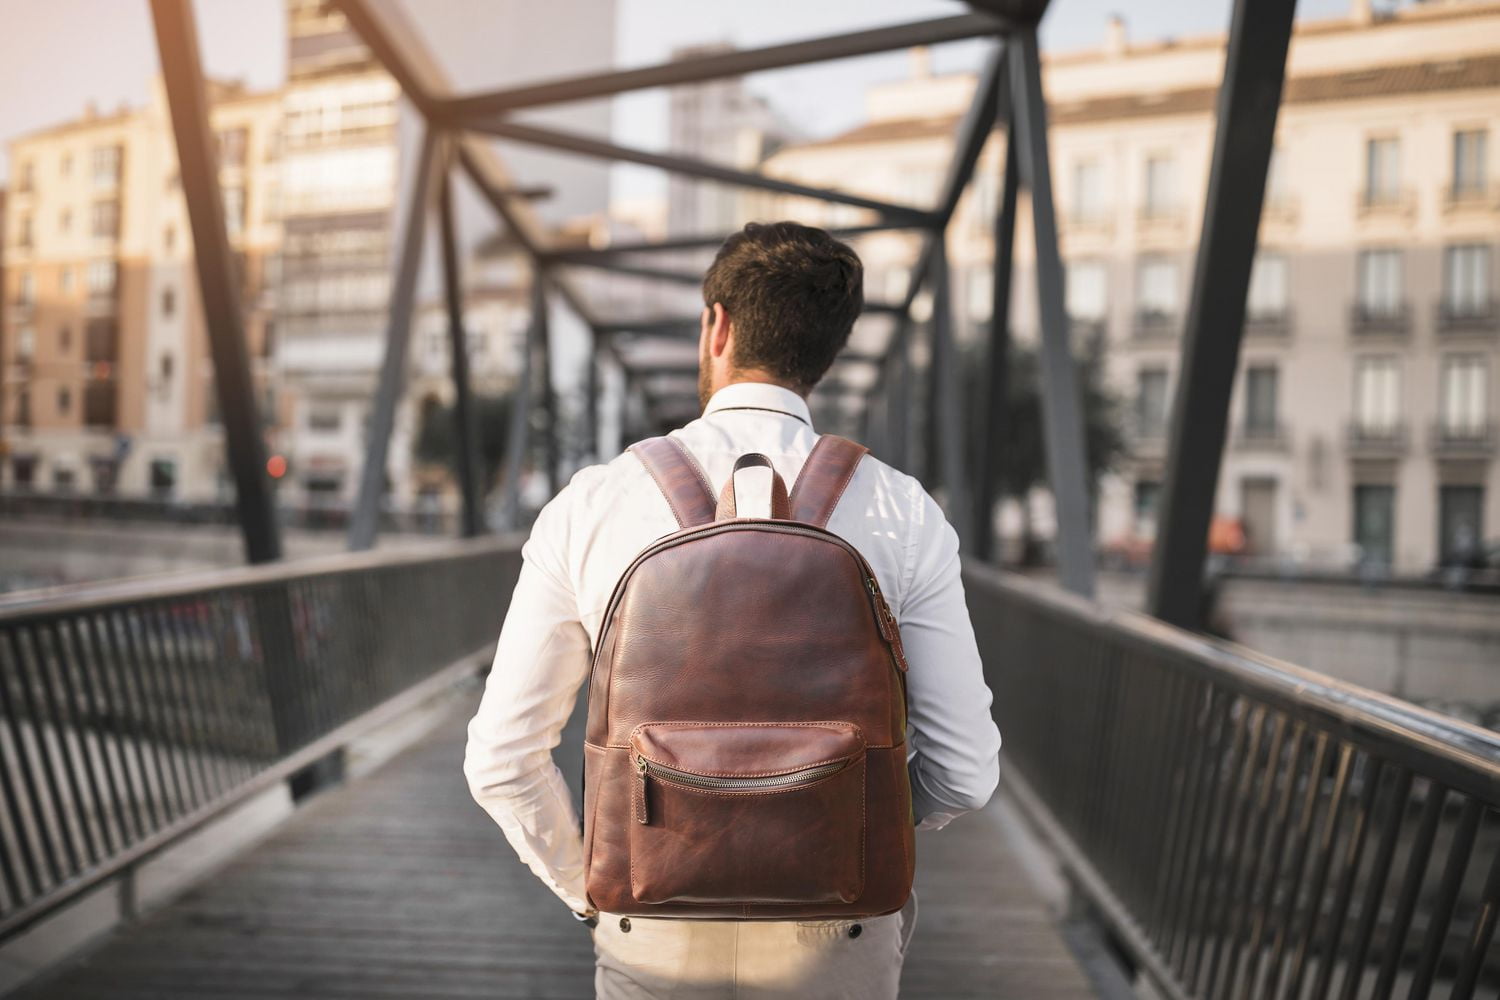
(1397, 204)
(100, 403)
(1269, 325)
(1148, 438)
(1155, 326)
(1282, 209)
(1468, 440)
(1088, 222)
(1468, 318)
(1471, 198)
(1262, 436)
(1376, 440)
(1369, 320)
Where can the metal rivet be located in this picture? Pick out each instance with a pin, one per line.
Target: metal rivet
(625, 924)
(856, 930)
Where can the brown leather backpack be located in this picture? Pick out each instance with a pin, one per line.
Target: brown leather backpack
(745, 755)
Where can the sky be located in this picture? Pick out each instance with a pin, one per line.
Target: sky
(57, 55)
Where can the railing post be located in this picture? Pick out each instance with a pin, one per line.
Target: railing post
(364, 523)
(1249, 100)
(218, 278)
(1062, 404)
(465, 439)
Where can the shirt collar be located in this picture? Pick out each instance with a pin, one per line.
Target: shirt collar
(759, 396)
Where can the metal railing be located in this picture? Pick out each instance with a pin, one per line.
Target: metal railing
(1243, 827)
(132, 713)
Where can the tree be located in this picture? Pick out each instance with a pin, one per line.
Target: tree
(437, 440)
(1019, 453)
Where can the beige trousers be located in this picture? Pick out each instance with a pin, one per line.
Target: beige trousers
(647, 958)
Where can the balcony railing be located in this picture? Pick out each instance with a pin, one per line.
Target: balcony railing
(1372, 203)
(1471, 198)
(1377, 440)
(1270, 325)
(1470, 440)
(1367, 320)
(1152, 324)
(1261, 436)
(1468, 317)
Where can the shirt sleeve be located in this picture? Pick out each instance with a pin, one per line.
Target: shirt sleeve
(955, 744)
(540, 662)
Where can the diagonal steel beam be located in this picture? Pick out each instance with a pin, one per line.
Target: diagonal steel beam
(718, 67)
(615, 266)
(218, 282)
(466, 435)
(1254, 72)
(582, 145)
(1062, 400)
(365, 518)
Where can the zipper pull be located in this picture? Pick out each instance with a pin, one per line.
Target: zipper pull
(642, 815)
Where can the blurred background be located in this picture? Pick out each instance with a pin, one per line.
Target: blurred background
(1355, 530)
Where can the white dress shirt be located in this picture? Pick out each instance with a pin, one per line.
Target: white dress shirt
(588, 534)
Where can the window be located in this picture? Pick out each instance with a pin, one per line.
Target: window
(65, 220)
(105, 219)
(163, 477)
(168, 302)
(980, 294)
(1151, 402)
(106, 166)
(1375, 523)
(1268, 293)
(1377, 394)
(1157, 288)
(27, 181)
(1276, 182)
(325, 419)
(102, 275)
(1460, 523)
(1463, 398)
(234, 211)
(1147, 500)
(24, 235)
(65, 166)
(1262, 384)
(99, 403)
(232, 145)
(65, 339)
(1161, 186)
(166, 366)
(25, 343)
(65, 281)
(1382, 171)
(1088, 191)
(1380, 291)
(1466, 280)
(1087, 290)
(26, 291)
(64, 400)
(101, 341)
(169, 238)
(1469, 167)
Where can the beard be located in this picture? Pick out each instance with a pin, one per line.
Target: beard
(705, 380)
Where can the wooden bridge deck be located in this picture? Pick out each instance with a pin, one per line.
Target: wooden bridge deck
(398, 886)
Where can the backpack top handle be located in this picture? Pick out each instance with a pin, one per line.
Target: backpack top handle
(781, 508)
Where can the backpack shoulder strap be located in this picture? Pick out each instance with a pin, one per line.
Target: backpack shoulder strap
(680, 478)
(824, 477)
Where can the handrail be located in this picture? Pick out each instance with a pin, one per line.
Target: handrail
(1242, 826)
(133, 712)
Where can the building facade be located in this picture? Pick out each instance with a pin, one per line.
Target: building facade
(108, 380)
(1363, 422)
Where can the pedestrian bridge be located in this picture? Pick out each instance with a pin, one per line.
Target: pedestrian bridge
(1227, 825)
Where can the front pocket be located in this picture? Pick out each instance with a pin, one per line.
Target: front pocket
(747, 812)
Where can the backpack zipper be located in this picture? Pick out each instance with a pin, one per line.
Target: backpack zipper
(651, 769)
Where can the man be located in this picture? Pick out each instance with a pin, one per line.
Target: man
(780, 301)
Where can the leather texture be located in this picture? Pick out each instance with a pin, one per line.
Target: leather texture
(748, 648)
(781, 509)
(680, 478)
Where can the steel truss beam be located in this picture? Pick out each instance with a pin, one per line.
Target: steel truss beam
(1254, 71)
(1062, 402)
(465, 436)
(599, 149)
(218, 277)
(705, 241)
(721, 66)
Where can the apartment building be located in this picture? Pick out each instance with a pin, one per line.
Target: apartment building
(108, 380)
(1363, 423)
